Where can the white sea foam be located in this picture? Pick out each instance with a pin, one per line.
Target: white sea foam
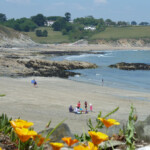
(77, 76)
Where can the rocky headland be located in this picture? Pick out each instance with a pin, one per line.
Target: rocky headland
(37, 67)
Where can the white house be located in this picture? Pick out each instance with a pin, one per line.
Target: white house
(90, 28)
(49, 23)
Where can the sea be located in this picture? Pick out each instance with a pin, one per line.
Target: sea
(138, 80)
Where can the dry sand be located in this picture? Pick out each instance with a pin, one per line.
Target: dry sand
(51, 99)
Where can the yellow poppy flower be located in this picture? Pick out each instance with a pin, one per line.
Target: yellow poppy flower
(90, 146)
(25, 134)
(80, 147)
(18, 123)
(39, 140)
(98, 137)
(109, 122)
(57, 146)
(69, 141)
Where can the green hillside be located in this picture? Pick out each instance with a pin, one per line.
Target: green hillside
(114, 33)
(111, 33)
(53, 36)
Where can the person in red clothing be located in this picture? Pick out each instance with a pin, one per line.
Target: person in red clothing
(78, 105)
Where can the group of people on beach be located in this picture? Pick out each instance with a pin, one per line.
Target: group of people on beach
(79, 110)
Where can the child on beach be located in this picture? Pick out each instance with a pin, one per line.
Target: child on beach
(91, 107)
(79, 105)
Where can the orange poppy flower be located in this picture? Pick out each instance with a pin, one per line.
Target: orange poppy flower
(39, 139)
(90, 146)
(69, 141)
(57, 146)
(18, 123)
(98, 137)
(109, 122)
(24, 134)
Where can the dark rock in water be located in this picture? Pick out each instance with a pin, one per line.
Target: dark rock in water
(62, 131)
(142, 129)
(131, 66)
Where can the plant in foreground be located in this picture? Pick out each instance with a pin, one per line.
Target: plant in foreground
(88, 146)
(69, 141)
(2, 95)
(98, 137)
(27, 137)
(5, 126)
(18, 123)
(130, 129)
(109, 122)
(57, 146)
(99, 124)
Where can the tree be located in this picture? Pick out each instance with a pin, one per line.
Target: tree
(122, 23)
(100, 27)
(38, 33)
(39, 19)
(144, 24)
(53, 18)
(68, 16)
(133, 23)
(59, 24)
(2, 17)
(109, 22)
(87, 21)
(45, 33)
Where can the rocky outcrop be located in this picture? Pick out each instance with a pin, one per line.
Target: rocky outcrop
(37, 67)
(131, 66)
(143, 129)
(60, 132)
(55, 68)
(125, 42)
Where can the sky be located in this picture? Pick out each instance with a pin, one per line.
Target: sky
(116, 10)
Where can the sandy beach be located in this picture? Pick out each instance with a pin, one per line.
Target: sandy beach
(51, 99)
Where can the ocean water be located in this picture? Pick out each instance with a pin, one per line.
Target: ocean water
(138, 80)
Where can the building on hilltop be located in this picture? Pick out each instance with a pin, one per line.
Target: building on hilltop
(49, 23)
(90, 28)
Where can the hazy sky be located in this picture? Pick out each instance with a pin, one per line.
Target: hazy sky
(117, 10)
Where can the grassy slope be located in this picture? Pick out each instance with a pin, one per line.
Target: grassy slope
(8, 32)
(53, 36)
(111, 33)
(123, 32)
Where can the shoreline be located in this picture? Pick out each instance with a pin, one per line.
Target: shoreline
(51, 100)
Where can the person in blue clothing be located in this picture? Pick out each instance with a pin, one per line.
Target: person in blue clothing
(34, 82)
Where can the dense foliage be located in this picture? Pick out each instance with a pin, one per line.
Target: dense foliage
(79, 28)
(41, 33)
(23, 24)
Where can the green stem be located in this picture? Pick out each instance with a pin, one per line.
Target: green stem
(111, 144)
(19, 146)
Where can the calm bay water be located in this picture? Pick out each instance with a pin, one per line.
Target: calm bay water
(138, 80)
